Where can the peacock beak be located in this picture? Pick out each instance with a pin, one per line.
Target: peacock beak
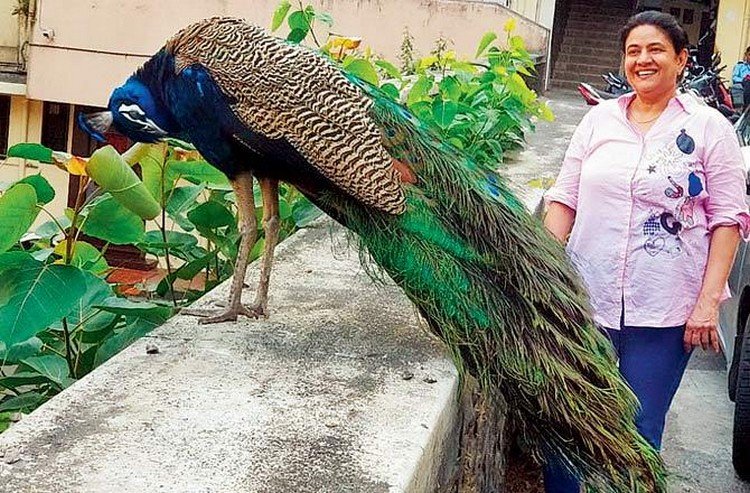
(96, 124)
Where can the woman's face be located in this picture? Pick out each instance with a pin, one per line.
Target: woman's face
(651, 64)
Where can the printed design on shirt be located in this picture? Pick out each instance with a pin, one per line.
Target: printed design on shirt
(685, 143)
(674, 161)
(674, 158)
(662, 235)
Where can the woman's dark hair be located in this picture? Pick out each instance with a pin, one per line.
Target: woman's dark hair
(664, 22)
(747, 51)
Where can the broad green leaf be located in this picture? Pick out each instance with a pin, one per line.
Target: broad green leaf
(84, 316)
(191, 269)
(280, 14)
(487, 39)
(364, 70)
(142, 309)
(15, 260)
(257, 250)
(35, 295)
(296, 35)
(153, 242)
(44, 191)
(6, 420)
(25, 402)
(423, 111)
(35, 152)
(22, 378)
(391, 91)
(183, 198)
(151, 160)
(285, 210)
(136, 328)
(84, 256)
(111, 172)
(196, 172)
(389, 69)
(450, 88)
(304, 212)
(18, 210)
(419, 90)
(444, 112)
(51, 366)
(299, 20)
(110, 221)
(211, 215)
(324, 18)
(22, 350)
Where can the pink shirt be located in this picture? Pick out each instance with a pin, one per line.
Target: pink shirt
(645, 207)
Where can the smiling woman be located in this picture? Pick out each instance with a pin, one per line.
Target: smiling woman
(651, 195)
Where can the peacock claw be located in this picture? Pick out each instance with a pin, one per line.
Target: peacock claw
(229, 315)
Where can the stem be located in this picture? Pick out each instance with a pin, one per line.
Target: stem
(76, 210)
(309, 23)
(68, 349)
(163, 229)
(54, 219)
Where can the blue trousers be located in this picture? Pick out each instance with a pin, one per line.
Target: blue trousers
(652, 361)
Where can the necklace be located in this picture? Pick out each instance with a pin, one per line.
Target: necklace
(644, 121)
(641, 122)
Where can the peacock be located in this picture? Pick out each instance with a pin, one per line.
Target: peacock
(486, 277)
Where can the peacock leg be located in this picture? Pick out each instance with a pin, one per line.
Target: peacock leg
(270, 194)
(243, 188)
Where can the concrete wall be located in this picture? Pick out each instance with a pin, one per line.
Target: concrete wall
(98, 43)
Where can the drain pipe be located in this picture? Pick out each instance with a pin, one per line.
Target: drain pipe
(548, 65)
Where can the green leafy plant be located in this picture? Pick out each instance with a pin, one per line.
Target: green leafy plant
(482, 106)
(59, 315)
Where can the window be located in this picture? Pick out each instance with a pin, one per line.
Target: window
(55, 122)
(4, 123)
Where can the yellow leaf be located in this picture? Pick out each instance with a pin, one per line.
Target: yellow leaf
(542, 183)
(428, 61)
(344, 42)
(546, 113)
(76, 166)
(510, 25)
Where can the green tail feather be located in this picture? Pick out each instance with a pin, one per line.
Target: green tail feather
(502, 295)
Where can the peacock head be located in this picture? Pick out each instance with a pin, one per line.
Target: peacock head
(133, 111)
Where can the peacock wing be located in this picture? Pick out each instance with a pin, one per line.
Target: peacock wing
(287, 91)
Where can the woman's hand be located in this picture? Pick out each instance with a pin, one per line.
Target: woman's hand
(702, 328)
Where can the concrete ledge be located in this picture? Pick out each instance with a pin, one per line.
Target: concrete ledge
(339, 391)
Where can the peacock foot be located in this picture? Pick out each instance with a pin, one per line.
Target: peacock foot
(228, 315)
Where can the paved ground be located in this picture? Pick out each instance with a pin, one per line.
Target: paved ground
(698, 439)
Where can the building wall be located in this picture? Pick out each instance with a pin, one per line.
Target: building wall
(732, 31)
(94, 49)
(26, 126)
(8, 32)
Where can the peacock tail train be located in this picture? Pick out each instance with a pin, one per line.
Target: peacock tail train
(485, 275)
(500, 292)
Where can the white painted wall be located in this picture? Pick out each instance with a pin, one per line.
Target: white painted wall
(98, 43)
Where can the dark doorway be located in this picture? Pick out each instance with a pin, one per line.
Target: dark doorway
(4, 124)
